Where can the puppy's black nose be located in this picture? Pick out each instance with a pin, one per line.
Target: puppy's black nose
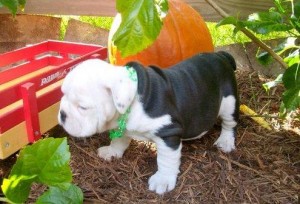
(63, 116)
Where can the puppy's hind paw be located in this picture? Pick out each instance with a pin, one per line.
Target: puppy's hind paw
(162, 183)
(107, 152)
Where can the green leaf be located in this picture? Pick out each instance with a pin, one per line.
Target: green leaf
(17, 189)
(291, 81)
(22, 4)
(267, 86)
(279, 6)
(271, 16)
(56, 195)
(12, 5)
(287, 50)
(264, 27)
(296, 11)
(140, 26)
(56, 168)
(266, 22)
(230, 20)
(293, 58)
(162, 8)
(122, 5)
(291, 77)
(295, 22)
(264, 58)
(46, 161)
(282, 110)
(49, 159)
(291, 98)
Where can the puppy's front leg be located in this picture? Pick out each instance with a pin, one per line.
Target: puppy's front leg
(168, 162)
(116, 148)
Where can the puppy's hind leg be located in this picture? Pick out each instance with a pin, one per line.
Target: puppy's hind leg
(229, 114)
(116, 148)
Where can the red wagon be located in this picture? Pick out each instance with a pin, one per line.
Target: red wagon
(30, 80)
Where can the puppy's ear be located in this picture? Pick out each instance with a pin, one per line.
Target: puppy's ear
(123, 90)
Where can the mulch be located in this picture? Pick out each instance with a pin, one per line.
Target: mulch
(265, 167)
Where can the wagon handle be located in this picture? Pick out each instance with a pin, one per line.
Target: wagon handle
(30, 111)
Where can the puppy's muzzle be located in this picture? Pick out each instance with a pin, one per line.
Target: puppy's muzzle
(63, 116)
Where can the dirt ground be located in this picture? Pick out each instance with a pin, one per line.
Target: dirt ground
(265, 168)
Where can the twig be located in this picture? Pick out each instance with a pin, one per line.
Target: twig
(186, 171)
(244, 133)
(250, 35)
(239, 164)
(83, 150)
(116, 175)
(255, 171)
(95, 201)
(96, 194)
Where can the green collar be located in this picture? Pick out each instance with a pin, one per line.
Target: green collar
(122, 120)
(120, 130)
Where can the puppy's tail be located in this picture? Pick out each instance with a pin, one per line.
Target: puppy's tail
(229, 58)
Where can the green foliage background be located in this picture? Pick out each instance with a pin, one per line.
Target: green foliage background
(283, 17)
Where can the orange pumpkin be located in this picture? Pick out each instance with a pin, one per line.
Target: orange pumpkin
(184, 33)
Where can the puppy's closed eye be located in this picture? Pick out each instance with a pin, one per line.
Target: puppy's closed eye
(82, 107)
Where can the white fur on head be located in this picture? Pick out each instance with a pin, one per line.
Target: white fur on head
(93, 93)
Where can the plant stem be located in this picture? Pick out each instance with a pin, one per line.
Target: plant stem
(264, 46)
(3, 199)
(250, 35)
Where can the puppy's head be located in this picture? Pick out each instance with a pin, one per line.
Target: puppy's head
(94, 92)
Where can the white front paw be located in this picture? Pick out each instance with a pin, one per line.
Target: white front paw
(107, 152)
(161, 183)
(225, 143)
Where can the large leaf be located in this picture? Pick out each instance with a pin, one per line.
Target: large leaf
(52, 160)
(291, 81)
(295, 17)
(266, 22)
(55, 195)
(291, 77)
(291, 98)
(230, 20)
(270, 16)
(13, 5)
(297, 9)
(49, 159)
(140, 26)
(46, 161)
(16, 189)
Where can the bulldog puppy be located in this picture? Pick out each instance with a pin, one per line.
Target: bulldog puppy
(164, 106)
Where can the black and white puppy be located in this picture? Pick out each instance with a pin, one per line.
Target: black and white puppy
(166, 107)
